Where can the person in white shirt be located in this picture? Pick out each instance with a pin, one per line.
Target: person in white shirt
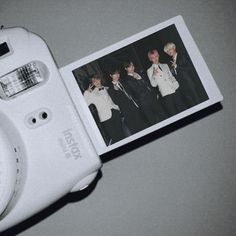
(160, 76)
(108, 112)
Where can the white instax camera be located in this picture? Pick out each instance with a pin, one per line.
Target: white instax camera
(45, 151)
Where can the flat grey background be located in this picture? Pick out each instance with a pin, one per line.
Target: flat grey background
(180, 184)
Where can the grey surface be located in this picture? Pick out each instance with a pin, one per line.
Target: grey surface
(181, 184)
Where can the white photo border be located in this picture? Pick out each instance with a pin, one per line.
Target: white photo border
(197, 60)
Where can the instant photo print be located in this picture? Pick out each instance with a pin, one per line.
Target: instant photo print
(140, 84)
(55, 123)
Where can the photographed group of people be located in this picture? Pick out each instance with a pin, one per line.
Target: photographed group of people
(139, 100)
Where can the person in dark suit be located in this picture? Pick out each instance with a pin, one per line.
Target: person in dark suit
(128, 107)
(182, 69)
(143, 95)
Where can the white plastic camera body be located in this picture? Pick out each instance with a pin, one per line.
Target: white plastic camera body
(45, 151)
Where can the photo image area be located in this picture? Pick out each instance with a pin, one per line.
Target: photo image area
(140, 85)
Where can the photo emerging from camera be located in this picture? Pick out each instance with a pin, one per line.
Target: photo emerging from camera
(140, 85)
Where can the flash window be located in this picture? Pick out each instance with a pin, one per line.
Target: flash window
(22, 79)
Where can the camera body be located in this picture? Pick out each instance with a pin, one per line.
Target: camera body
(45, 151)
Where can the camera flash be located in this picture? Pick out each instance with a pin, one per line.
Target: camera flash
(22, 79)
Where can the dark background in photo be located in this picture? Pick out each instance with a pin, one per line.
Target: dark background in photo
(136, 52)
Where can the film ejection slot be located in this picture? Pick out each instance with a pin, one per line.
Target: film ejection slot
(22, 79)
